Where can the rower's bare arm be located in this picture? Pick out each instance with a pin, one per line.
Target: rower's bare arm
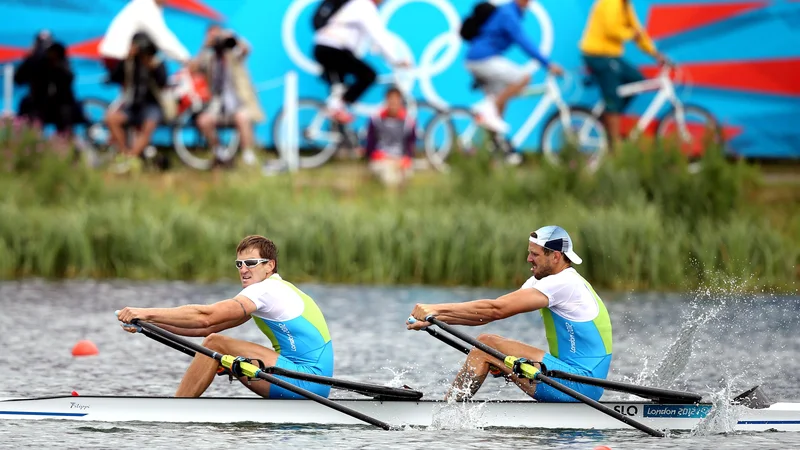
(197, 316)
(481, 312)
(204, 332)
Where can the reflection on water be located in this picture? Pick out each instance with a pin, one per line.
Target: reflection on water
(715, 343)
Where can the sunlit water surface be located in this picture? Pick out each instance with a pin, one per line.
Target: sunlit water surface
(716, 343)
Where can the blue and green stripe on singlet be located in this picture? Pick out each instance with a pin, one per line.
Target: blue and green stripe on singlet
(300, 339)
(584, 344)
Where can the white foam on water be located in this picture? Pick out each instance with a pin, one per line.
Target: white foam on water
(398, 377)
(723, 416)
(454, 415)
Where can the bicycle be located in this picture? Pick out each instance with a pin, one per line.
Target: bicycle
(322, 137)
(674, 120)
(438, 148)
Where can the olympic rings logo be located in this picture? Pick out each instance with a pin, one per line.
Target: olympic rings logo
(447, 45)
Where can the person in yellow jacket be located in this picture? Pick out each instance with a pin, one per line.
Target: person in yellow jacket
(611, 24)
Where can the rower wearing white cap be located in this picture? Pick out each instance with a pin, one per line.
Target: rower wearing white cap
(576, 322)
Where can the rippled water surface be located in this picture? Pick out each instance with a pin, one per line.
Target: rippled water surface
(707, 342)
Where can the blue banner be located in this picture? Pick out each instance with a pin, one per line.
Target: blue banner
(741, 58)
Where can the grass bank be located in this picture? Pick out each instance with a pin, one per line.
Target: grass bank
(641, 222)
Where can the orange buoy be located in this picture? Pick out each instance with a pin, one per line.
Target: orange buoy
(602, 447)
(75, 393)
(85, 348)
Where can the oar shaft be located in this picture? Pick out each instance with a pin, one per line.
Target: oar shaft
(362, 388)
(168, 342)
(547, 380)
(256, 372)
(447, 340)
(597, 405)
(658, 394)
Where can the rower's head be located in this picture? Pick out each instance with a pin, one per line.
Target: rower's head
(523, 3)
(256, 259)
(550, 251)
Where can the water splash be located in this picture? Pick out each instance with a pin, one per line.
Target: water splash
(398, 376)
(724, 415)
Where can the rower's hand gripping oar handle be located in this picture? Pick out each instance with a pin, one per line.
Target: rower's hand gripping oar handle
(519, 366)
(134, 323)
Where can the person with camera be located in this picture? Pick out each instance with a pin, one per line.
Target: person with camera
(47, 73)
(233, 96)
(143, 77)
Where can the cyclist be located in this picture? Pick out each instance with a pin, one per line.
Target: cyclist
(611, 23)
(502, 78)
(335, 45)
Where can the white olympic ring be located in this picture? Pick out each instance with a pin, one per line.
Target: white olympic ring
(448, 43)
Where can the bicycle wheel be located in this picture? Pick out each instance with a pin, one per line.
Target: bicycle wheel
(446, 131)
(425, 114)
(580, 135)
(319, 138)
(192, 147)
(702, 131)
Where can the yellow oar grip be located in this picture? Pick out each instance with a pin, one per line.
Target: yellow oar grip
(247, 369)
(528, 370)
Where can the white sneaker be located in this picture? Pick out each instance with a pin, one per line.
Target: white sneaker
(488, 117)
(249, 157)
(513, 159)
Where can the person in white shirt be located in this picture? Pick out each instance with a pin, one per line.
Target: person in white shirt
(140, 16)
(576, 323)
(290, 319)
(335, 47)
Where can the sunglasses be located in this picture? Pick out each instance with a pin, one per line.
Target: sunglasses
(250, 263)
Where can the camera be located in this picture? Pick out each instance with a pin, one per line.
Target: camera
(222, 43)
(144, 45)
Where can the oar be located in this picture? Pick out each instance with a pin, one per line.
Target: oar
(243, 368)
(521, 367)
(656, 394)
(376, 391)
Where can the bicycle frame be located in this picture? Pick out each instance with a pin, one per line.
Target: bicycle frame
(665, 92)
(551, 95)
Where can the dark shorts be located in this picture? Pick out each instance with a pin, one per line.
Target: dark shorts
(139, 114)
(610, 73)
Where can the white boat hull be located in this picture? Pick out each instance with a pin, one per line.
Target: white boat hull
(514, 414)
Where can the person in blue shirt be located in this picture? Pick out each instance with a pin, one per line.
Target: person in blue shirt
(502, 78)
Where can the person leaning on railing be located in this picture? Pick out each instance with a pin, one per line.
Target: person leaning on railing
(610, 25)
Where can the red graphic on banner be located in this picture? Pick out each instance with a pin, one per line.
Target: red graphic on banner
(8, 53)
(194, 7)
(669, 20)
(771, 76)
(86, 49)
(628, 123)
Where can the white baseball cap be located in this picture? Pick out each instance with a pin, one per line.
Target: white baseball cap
(556, 238)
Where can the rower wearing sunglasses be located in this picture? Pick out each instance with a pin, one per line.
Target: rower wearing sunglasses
(288, 317)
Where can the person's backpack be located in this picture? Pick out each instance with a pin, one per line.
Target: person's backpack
(473, 23)
(326, 10)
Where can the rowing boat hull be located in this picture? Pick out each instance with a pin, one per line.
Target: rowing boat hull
(514, 414)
